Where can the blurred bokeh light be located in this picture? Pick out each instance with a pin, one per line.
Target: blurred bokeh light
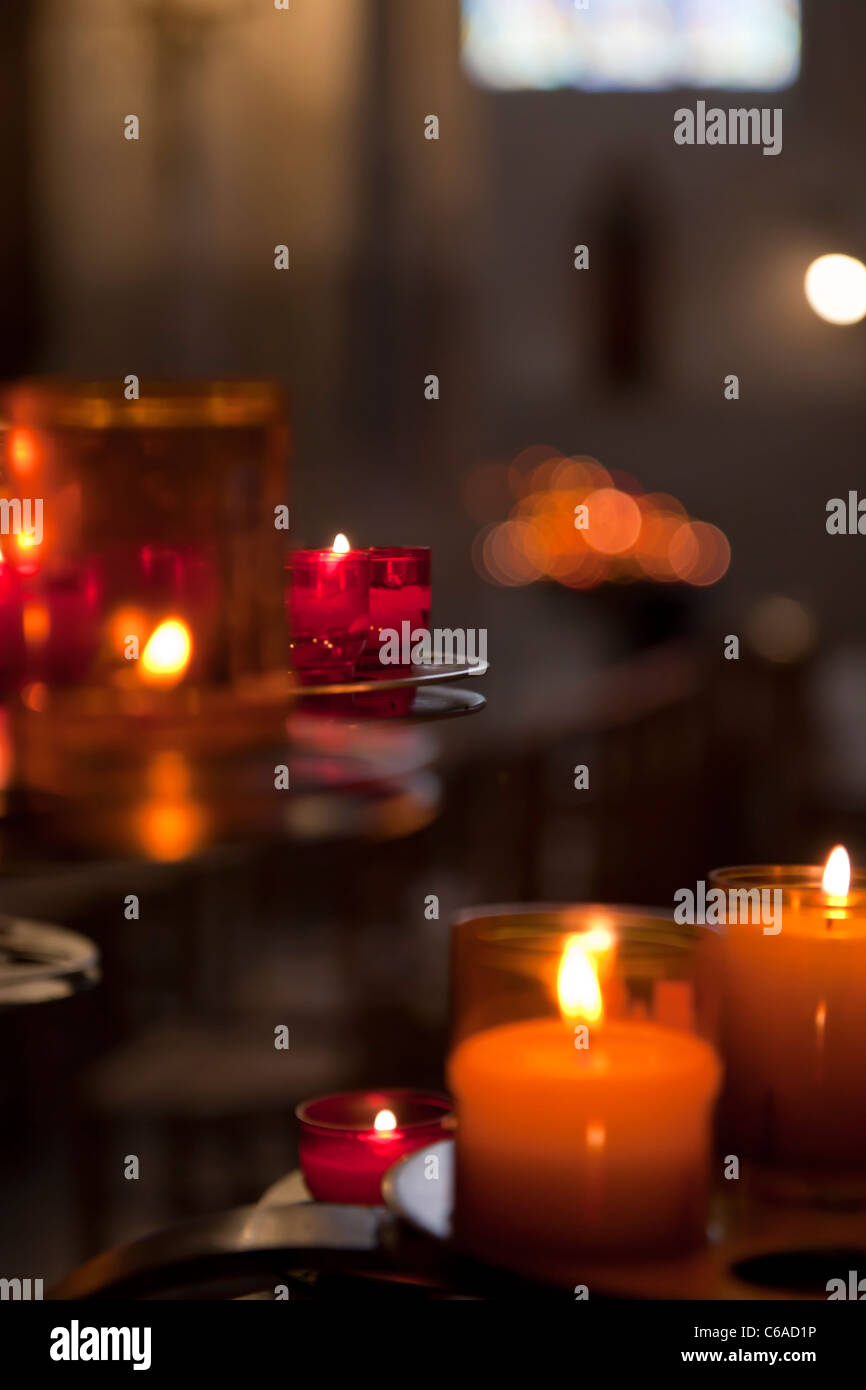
(568, 520)
(836, 288)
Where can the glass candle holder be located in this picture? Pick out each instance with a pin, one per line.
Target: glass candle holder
(344, 1155)
(146, 609)
(400, 595)
(584, 1090)
(792, 1032)
(328, 609)
(156, 530)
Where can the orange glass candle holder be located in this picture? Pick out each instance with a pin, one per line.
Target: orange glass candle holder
(143, 623)
(584, 1090)
(792, 1031)
(157, 522)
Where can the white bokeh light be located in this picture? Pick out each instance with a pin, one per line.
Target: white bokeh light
(836, 288)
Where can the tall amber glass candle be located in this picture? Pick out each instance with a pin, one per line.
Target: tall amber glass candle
(144, 643)
(158, 509)
(793, 1033)
(583, 1093)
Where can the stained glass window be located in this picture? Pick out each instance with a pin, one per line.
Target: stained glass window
(645, 45)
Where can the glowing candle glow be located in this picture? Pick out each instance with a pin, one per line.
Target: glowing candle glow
(578, 1136)
(794, 1030)
(167, 652)
(836, 879)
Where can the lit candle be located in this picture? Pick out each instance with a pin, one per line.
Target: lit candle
(349, 1141)
(327, 602)
(165, 609)
(399, 593)
(793, 1030)
(567, 1150)
(167, 653)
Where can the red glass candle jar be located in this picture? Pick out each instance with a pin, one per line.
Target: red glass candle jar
(327, 600)
(343, 1154)
(399, 603)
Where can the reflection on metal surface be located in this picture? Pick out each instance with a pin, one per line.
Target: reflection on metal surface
(39, 962)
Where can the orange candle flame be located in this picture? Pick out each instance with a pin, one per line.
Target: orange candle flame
(577, 984)
(341, 546)
(385, 1121)
(168, 652)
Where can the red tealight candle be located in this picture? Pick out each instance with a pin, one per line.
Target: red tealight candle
(328, 611)
(399, 594)
(350, 1140)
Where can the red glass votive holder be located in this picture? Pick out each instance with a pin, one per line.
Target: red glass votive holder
(400, 594)
(327, 604)
(344, 1156)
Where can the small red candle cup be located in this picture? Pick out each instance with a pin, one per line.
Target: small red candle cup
(327, 605)
(399, 603)
(344, 1155)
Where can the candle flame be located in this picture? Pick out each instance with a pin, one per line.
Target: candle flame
(168, 652)
(577, 986)
(837, 874)
(340, 547)
(385, 1120)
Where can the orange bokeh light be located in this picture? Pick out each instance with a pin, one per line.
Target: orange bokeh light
(574, 522)
(699, 553)
(36, 621)
(22, 450)
(614, 521)
(169, 831)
